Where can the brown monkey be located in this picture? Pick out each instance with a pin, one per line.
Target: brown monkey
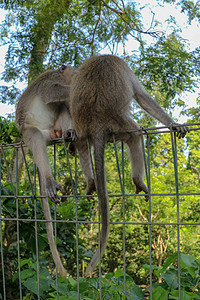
(42, 114)
(100, 98)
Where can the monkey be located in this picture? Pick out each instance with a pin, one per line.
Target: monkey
(100, 98)
(42, 114)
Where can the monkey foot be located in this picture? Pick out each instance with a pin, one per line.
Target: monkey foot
(90, 188)
(70, 135)
(72, 149)
(141, 186)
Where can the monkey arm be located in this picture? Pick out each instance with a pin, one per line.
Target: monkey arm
(36, 142)
(152, 107)
(155, 110)
(56, 92)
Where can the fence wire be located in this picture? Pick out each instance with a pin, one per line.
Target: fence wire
(11, 178)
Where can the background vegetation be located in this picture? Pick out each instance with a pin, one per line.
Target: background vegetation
(46, 34)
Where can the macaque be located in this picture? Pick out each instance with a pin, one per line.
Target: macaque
(100, 98)
(42, 115)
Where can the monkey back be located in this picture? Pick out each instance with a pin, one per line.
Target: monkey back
(100, 94)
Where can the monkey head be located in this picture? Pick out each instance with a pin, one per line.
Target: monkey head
(68, 73)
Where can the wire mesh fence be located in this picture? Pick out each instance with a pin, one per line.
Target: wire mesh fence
(142, 233)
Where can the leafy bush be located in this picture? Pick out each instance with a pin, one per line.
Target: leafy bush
(189, 278)
(113, 283)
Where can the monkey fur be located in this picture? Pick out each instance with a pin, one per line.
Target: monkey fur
(42, 114)
(100, 99)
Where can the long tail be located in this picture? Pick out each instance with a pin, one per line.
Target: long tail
(99, 145)
(49, 228)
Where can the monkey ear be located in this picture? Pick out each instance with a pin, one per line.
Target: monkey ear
(62, 68)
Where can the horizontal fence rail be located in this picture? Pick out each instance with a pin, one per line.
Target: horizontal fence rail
(20, 207)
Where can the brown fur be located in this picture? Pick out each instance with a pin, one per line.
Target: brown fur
(100, 101)
(51, 86)
(42, 114)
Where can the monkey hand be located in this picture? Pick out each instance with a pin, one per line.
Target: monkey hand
(70, 135)
(180, 129)
(51, 188)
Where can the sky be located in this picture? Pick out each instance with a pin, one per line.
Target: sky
(162, 13)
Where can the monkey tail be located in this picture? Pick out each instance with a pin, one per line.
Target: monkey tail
(99, 145)
(49, 228)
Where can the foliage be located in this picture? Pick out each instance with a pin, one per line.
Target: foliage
(112, 285)
(45, 34)
(9, 131)
(37, 280)
(189, 278)
(163, 209)
(190, 7)
(168, 68)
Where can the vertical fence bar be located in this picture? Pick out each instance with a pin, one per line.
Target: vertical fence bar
(17, 215)
(34, 197)
(76, 203)
(55, 224)
(36, 233)
(174, 150)
(148, 174)
(124, 219)
(1, 235)
(99, 226)
(99, 246)
(150, 221)
(75, 196)
(121, 180)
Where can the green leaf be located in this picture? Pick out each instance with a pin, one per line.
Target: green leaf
(32, 285)
(159, 294)
(184, 295)
(171, 278)
(119, 273)
(173, 258)
(27, 274)
(136, 292)
(25, 261)
(147, 267)
(72, 282)
(109, 275)
(190, 263)
(62, 286)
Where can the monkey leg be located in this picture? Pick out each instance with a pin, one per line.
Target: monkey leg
(86, 165)
(36, 142)
(134, 143)
(63, 124)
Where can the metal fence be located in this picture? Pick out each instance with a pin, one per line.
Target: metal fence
(11, 157)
